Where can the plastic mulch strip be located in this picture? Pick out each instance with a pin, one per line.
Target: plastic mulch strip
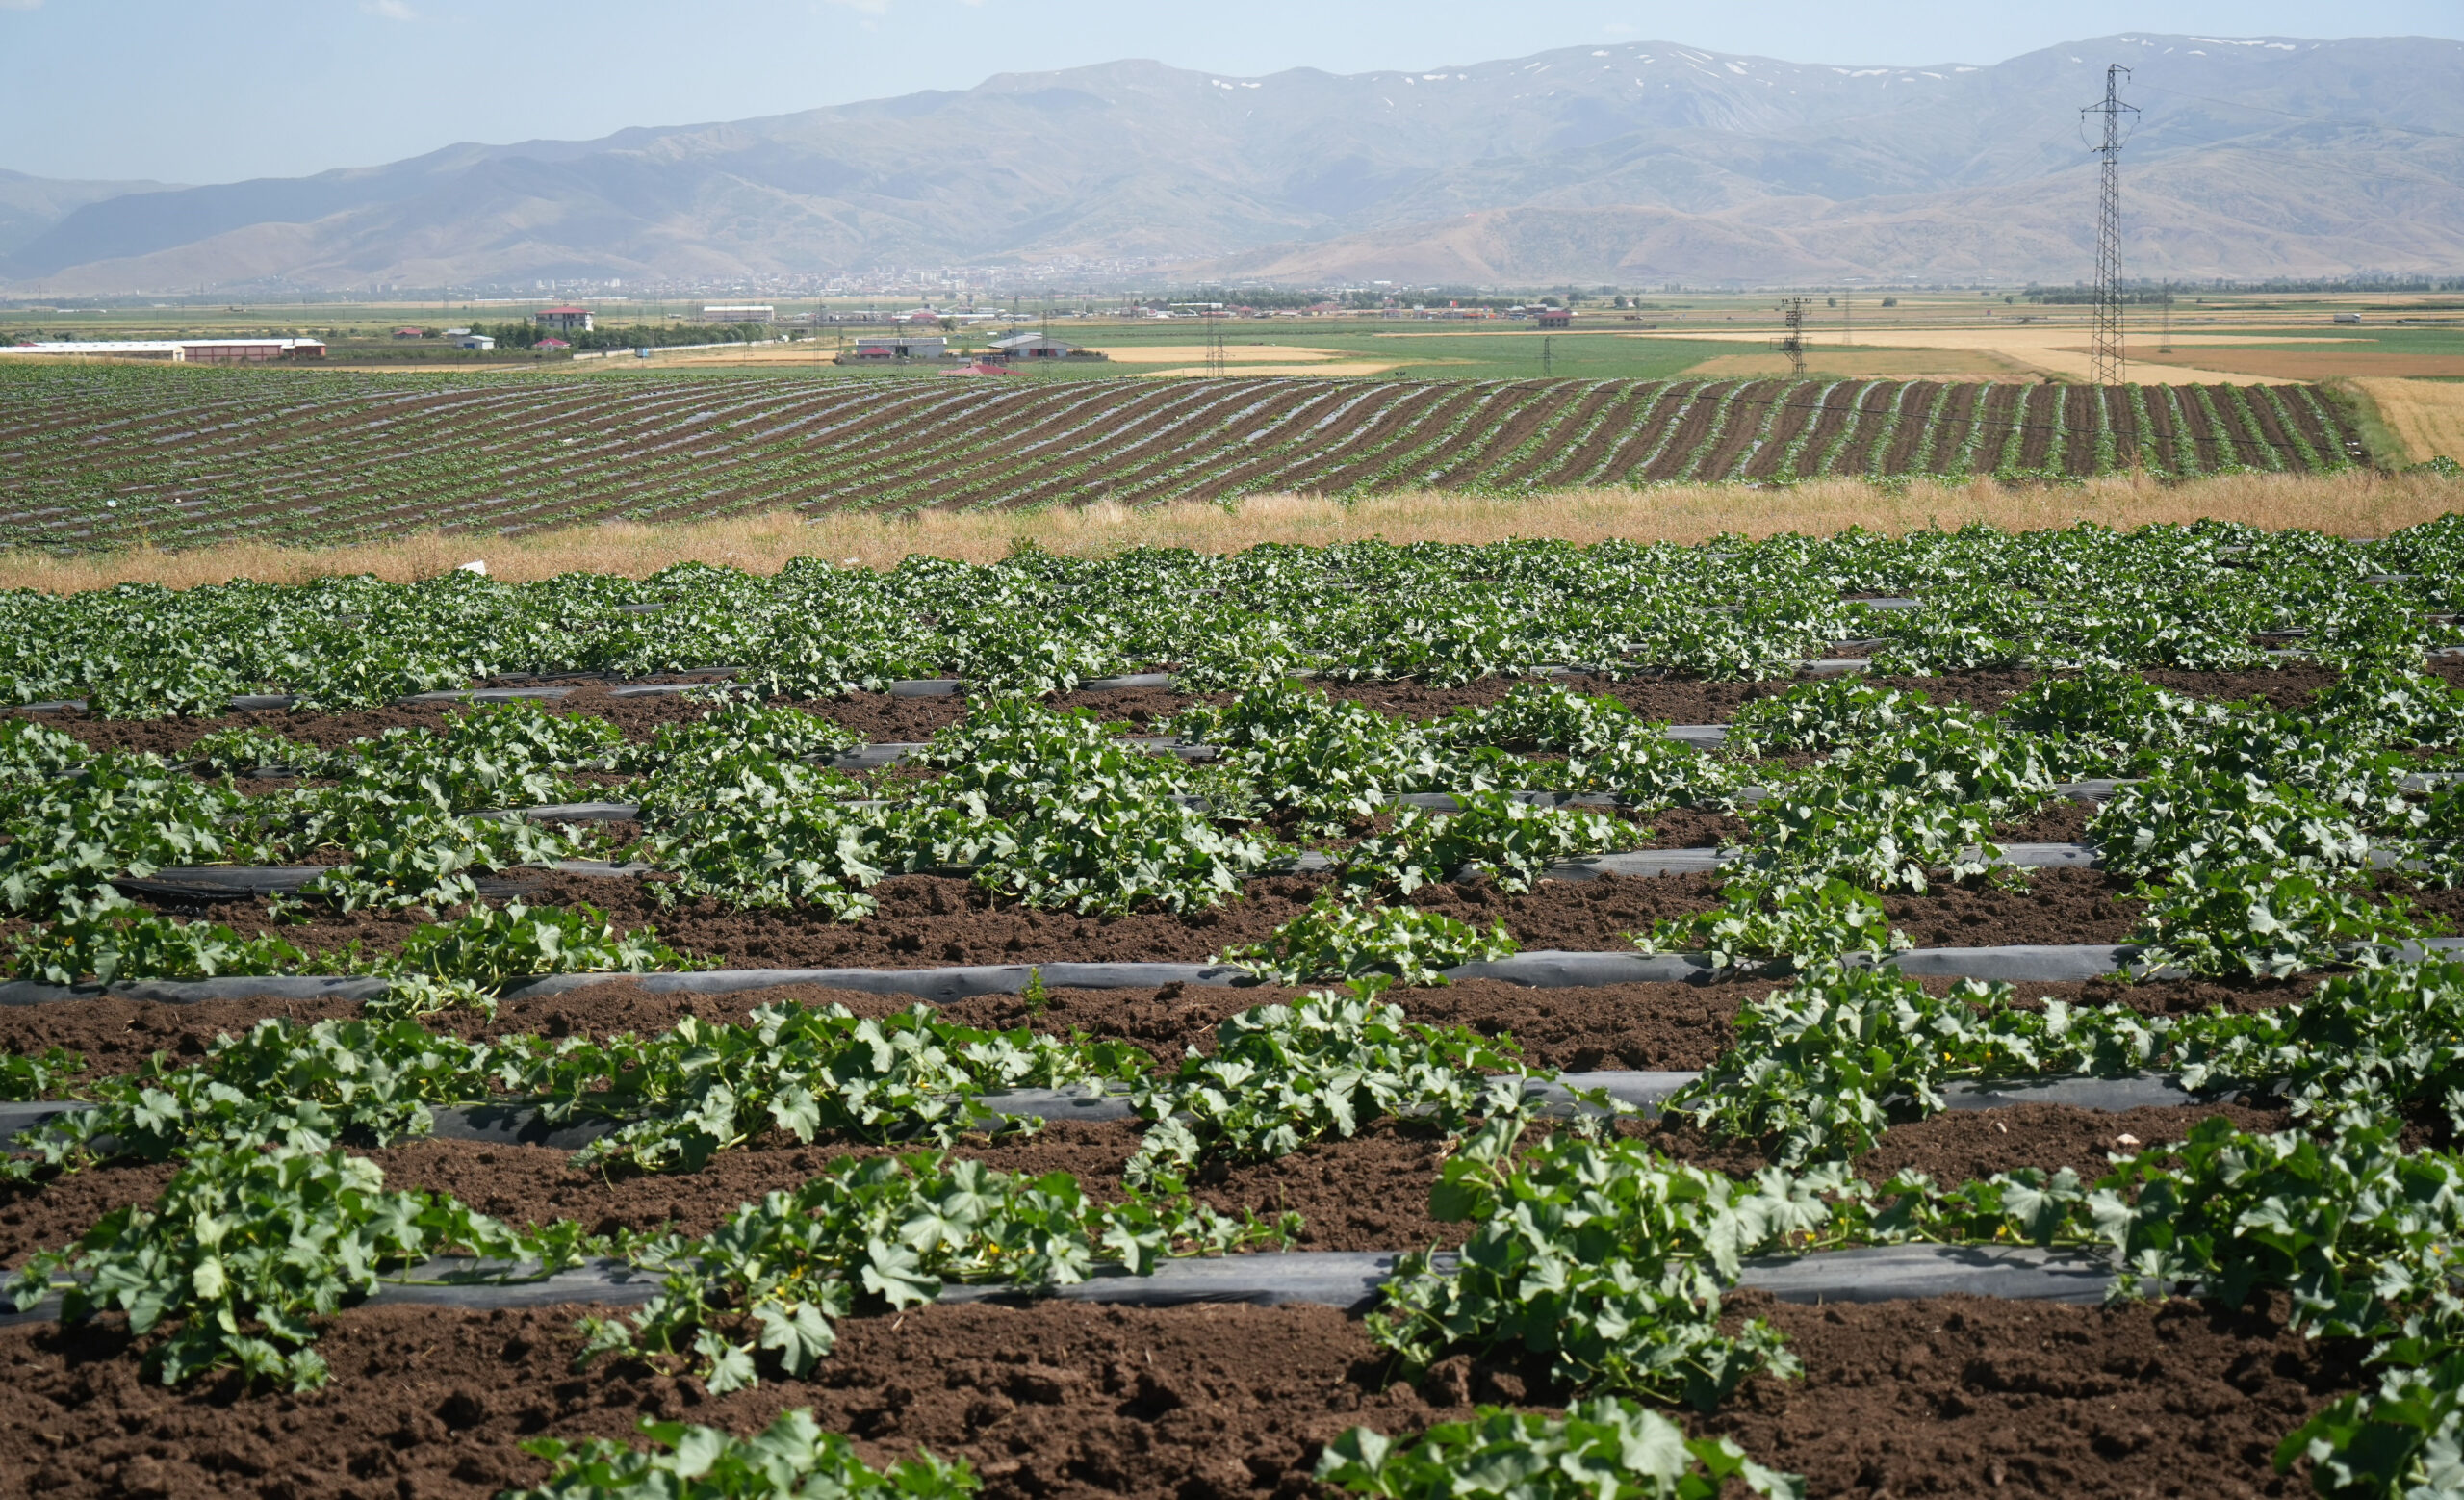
(1342, 1279)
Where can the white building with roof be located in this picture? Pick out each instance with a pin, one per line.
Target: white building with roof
(197, 351)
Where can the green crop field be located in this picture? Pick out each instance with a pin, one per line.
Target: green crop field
(470, 1009)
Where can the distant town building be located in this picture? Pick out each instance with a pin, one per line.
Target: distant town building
(740, 312)
(564, 320)
(202, 352)
(920, 318)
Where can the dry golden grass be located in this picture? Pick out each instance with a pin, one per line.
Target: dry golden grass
(2426, 416)
(2359, 504)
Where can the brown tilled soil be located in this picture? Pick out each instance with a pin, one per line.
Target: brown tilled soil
(930, 921)
(2060, 820)
(1965, 1396)
(1952, 1396)
(2051, 905)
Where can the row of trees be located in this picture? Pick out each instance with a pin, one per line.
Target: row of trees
(524, 335)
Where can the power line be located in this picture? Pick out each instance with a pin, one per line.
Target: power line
(2307, 119)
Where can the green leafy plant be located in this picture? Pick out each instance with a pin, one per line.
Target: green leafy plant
(791, 1457)
(1609, 1448)
(2402, 1442)
(106, 943)
(418, 857)
(1512, 841)
(1284, 1075)
(246, 750)
(1341, 939)
(890, 1231)
(2247, 919)
(1601, 1254)
(737, 722)
(494, 945)
(243, 1249)
(2171, 823)
(1799, 919)
(1822, 1067)
(35, 1075)
(704, 1086)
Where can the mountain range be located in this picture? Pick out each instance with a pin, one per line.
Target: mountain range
(1636, 163)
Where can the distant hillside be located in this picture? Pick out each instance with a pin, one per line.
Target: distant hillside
(1635, 163)
(31, 205)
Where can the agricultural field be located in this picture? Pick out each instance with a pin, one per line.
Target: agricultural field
(1967, 1013)
(95, 460)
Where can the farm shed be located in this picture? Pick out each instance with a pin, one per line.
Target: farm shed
(1039, 346)
(478, 341)
(892, 346)
(410, 333)
(740, 312)
(564, 320)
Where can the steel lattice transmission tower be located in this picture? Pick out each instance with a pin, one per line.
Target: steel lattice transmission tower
(2116, 122)
(1792, 316)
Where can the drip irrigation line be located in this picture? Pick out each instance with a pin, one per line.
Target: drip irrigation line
(1349, 1279)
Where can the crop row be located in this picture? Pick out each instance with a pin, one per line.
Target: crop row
(2203, 597)
(186, 458)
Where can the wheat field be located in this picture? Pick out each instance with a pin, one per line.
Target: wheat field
(2426, 416)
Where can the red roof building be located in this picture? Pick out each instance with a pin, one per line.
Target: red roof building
(552, 344)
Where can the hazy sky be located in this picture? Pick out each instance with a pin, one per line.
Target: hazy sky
(211, 90)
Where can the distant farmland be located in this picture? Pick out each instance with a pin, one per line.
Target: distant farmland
(93, 458)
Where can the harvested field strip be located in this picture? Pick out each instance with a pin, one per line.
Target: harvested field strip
(280, 459)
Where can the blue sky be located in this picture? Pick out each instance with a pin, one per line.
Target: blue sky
(114, 89)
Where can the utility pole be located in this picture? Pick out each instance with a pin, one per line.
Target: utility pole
(1548, 366)
(2107, 360)
(1792, 314)
(1847, 319)
(2165, 341)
